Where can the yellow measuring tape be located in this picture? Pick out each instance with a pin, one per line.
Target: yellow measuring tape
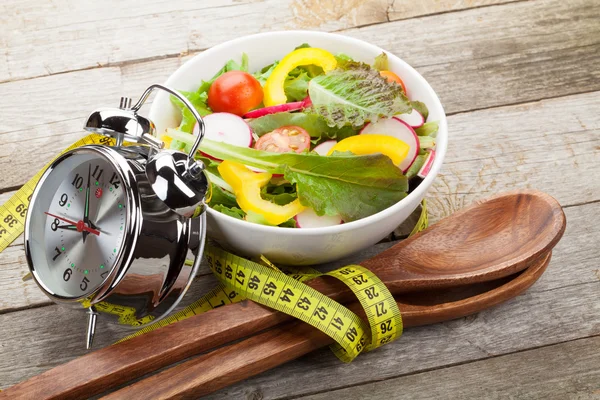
(261, 282)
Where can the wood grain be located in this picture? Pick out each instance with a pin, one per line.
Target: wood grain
(562, 371)
(275, 347)
(83, 35)
(511, 53)
(551, 145)
(401, 9)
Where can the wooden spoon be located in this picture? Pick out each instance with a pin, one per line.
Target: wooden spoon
(230, 364)
(486, 241)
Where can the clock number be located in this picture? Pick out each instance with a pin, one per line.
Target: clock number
(84, 284)
(77, 181)
(103, 275)
(97, 172)
(67, 274)
(63, 200)
(54, 225)
(58, 253)
(114, 180)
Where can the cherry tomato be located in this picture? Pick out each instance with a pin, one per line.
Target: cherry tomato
(392, 77)
(284, 140)
(235, 92)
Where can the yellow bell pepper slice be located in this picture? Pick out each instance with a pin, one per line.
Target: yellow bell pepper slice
(246, 186)
(273, 90)
(394, 148)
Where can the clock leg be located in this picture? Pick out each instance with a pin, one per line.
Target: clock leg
(91, 330)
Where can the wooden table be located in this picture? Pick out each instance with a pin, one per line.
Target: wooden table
(520, 81)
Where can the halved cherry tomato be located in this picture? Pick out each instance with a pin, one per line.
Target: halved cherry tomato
(235, 92)
(392, 77)
(284, 140)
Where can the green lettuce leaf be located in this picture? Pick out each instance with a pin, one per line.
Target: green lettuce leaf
(198, 100)
(296, 87)
(314, 124)
(428, 129)
(222, 197)
(342, 57)
(381, 62)
(264, 73)
(344, 184)
(354, 95)
(234, 212)
(421, 108)
(279, 194)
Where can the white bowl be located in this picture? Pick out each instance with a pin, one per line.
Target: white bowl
(313, 245)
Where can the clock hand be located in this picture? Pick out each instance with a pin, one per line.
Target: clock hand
(80, 225)
(86, 213)
(68, 227)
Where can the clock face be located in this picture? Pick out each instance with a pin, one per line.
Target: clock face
(77, 224)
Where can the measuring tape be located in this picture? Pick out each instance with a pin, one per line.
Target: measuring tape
(261, 282)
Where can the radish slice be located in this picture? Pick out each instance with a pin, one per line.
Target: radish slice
(399, 129)
(261, 112)
(414, 119)
(227, 128)
(309, 219)
(427, 166)
(287, 107)
(323, 148)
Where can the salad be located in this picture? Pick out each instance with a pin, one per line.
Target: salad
(311, 140)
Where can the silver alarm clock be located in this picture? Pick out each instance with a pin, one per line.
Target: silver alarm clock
(116, 224)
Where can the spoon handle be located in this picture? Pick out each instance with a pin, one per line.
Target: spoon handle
(208, 373)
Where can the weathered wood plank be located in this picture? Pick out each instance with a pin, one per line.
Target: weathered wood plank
(564, 130)
(551, 145)
(35, 340)
(401, 9)
(80, 35)
(499, 55)
(564, 371)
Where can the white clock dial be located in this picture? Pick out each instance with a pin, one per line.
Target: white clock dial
(78, 224)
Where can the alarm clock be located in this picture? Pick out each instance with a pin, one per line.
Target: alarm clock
(115, 224)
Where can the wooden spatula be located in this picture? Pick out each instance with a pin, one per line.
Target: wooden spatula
(486, 241)
(230, 364)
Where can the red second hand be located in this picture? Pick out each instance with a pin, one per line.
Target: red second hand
(80, 224)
